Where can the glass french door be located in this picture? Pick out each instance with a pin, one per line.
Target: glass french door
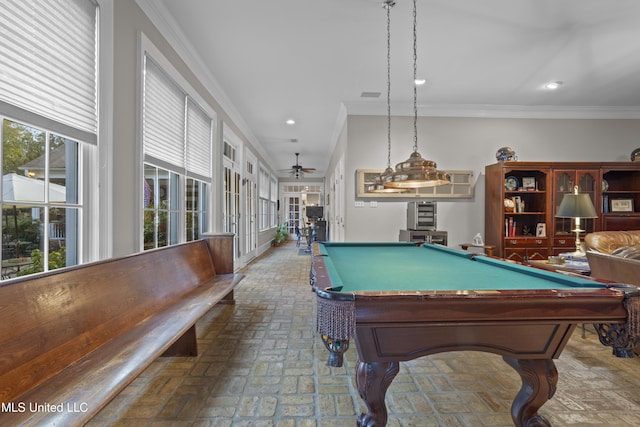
(232, 205)
(587, 182)
(251, 216)
(294, 217)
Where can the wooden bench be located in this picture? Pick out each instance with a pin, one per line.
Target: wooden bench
(72, 339)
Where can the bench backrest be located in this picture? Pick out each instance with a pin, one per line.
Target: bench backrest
(50, 320)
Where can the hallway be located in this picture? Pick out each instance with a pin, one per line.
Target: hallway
(261, 364)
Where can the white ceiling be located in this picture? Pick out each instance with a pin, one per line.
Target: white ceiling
(310, 60)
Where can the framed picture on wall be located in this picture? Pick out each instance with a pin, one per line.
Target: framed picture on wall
(461, 186)
(622, 205)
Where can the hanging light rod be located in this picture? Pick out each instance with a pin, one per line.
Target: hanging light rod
(378, 184)
(416, 172)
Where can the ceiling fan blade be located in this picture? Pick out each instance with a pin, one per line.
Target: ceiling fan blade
(308, 170)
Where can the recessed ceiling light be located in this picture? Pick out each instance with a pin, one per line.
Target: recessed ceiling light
(420, 82)
(290, 122)
(552, 85)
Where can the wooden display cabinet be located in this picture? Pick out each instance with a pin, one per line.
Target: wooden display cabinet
(517, 210)
(521, 199)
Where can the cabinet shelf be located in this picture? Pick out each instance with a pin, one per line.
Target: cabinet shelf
(525, 192)
(621, 191)
(523, 213)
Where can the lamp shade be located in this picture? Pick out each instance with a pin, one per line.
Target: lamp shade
(574, 205)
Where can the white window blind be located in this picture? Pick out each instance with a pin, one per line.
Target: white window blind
(48, 63)
(198, 140)
(163, 118)
(264, 184)
(274, 189)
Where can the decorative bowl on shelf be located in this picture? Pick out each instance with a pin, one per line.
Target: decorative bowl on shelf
(506, 154)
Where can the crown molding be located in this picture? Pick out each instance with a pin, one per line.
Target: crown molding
(499, 111)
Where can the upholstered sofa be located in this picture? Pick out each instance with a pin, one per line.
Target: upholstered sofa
(614, 255)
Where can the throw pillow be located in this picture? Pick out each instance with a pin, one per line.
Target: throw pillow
(632, 252)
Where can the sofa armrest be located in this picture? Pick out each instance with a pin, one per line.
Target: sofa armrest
(613, 268)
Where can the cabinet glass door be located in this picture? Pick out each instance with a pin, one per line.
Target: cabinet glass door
(564, 182)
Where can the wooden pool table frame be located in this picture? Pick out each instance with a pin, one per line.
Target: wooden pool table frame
(528, 328)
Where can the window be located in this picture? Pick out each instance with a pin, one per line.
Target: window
(196, 208)
(177, 137)
(161, 194)
(263, 195)
(48, 114)
(251, 233)
(229, 151)
(273, 189)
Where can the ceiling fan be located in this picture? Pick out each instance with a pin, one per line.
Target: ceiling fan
(297, 171)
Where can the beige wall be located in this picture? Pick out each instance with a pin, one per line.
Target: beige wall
(468, 143)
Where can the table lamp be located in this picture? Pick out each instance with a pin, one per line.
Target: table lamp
(575, 205)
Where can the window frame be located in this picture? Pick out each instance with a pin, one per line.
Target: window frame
(93, 238)
(191, 97)
(264, 198)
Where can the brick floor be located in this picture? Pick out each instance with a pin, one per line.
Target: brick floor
(262, 364)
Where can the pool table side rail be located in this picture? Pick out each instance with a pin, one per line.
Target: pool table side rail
(611, 303)
(598, 306)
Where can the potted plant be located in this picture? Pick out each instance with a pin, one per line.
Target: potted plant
(282, 235)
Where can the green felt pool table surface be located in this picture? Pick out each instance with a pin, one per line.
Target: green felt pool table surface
(403, 266)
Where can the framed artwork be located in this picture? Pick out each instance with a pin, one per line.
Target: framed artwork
(541, 229)
(462, 185)
(529, 183)
(621, 205)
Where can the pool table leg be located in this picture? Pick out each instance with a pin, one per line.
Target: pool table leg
(373, 380)
(539, 380)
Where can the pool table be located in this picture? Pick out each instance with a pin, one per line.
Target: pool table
(399, 301)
